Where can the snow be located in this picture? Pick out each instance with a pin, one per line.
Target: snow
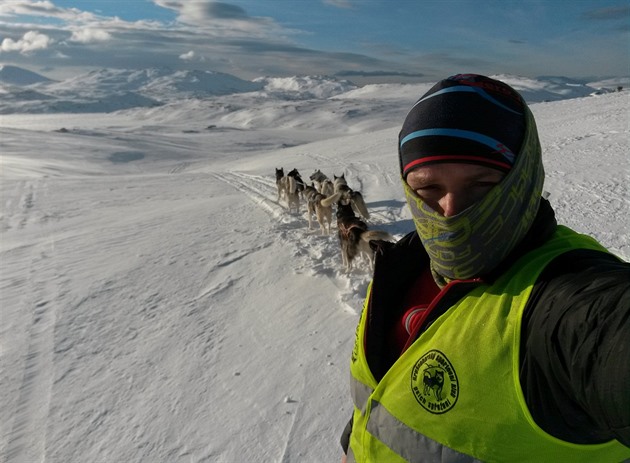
(159, 304)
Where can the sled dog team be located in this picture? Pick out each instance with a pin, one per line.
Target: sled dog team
(351, 211)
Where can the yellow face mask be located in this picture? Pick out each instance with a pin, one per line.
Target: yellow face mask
(473, 242)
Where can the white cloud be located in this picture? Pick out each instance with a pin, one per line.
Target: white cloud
(31, 41)
(10, 7)
(339, 3)
(202, 10)
(60, 55)
(90, 36)
(188, 56)
(223, 19)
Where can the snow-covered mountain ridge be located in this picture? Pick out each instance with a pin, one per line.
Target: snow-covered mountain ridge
(108, 90)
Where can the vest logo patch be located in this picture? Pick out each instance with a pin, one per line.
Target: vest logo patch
(434, 383)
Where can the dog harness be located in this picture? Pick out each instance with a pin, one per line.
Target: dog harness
(345, 230)
(454, 394)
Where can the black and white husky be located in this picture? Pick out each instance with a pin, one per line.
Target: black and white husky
(298, 180)
(354, 236)
(350, 196)
(288, 188)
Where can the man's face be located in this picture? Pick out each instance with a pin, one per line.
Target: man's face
(450, 188)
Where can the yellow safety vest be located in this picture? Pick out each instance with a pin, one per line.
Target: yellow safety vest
(455, 394)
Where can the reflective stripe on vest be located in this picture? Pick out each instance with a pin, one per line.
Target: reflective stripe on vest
(360, 394)
(409, 444)
(476, 408)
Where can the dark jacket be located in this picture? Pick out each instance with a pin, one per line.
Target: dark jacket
(575, 348)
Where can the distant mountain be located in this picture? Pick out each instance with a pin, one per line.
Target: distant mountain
(533, 90)
(305, 87)
(562, 80)
(14, 75)
(106, 81)
(238, 100)
(161, 83)
(611, 83)
(199, 84)
(108, 90)
(550, 88)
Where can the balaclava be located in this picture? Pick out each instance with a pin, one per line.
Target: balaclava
(473, 119)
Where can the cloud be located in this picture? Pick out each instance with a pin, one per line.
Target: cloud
(31, 41)
(610, 13)
(90, 36)
(377, 74)
(219, 10)
(39, 8)
(346, 4)
(223, 20)
(224, 38)
(204, 10)
(188, 56)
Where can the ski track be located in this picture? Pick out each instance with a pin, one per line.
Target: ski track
(26, 440)
(179, 167)
(18, 212)
(286, 456)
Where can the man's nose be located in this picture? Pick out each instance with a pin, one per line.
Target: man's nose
(453, 203)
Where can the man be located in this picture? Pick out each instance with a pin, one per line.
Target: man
(490, 333)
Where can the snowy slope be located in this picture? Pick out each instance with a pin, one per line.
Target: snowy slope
(159, 305)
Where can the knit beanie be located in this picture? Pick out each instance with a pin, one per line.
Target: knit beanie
(474, 120)
(464, 118)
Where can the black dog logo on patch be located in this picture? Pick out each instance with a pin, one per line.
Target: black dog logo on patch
(433, 380)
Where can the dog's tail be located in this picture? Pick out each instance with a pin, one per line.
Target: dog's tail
(357, 201)
(327, 202)
(374, 235)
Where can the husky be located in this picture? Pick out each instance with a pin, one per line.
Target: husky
(279, 182)
(298, 179)
(354, 236)
(321, 206)
(349, 196)
(292, 194)
(318, 178)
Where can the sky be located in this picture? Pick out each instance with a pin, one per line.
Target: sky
(361, 40)
(159, 304)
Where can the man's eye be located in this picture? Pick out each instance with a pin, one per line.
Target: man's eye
(428, 190)
(425, 186)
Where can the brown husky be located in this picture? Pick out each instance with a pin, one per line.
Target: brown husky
(354, 236)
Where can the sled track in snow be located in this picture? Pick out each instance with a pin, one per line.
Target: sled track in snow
(27, 435)
(17, 214)
(314, 254)
(261, 191)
